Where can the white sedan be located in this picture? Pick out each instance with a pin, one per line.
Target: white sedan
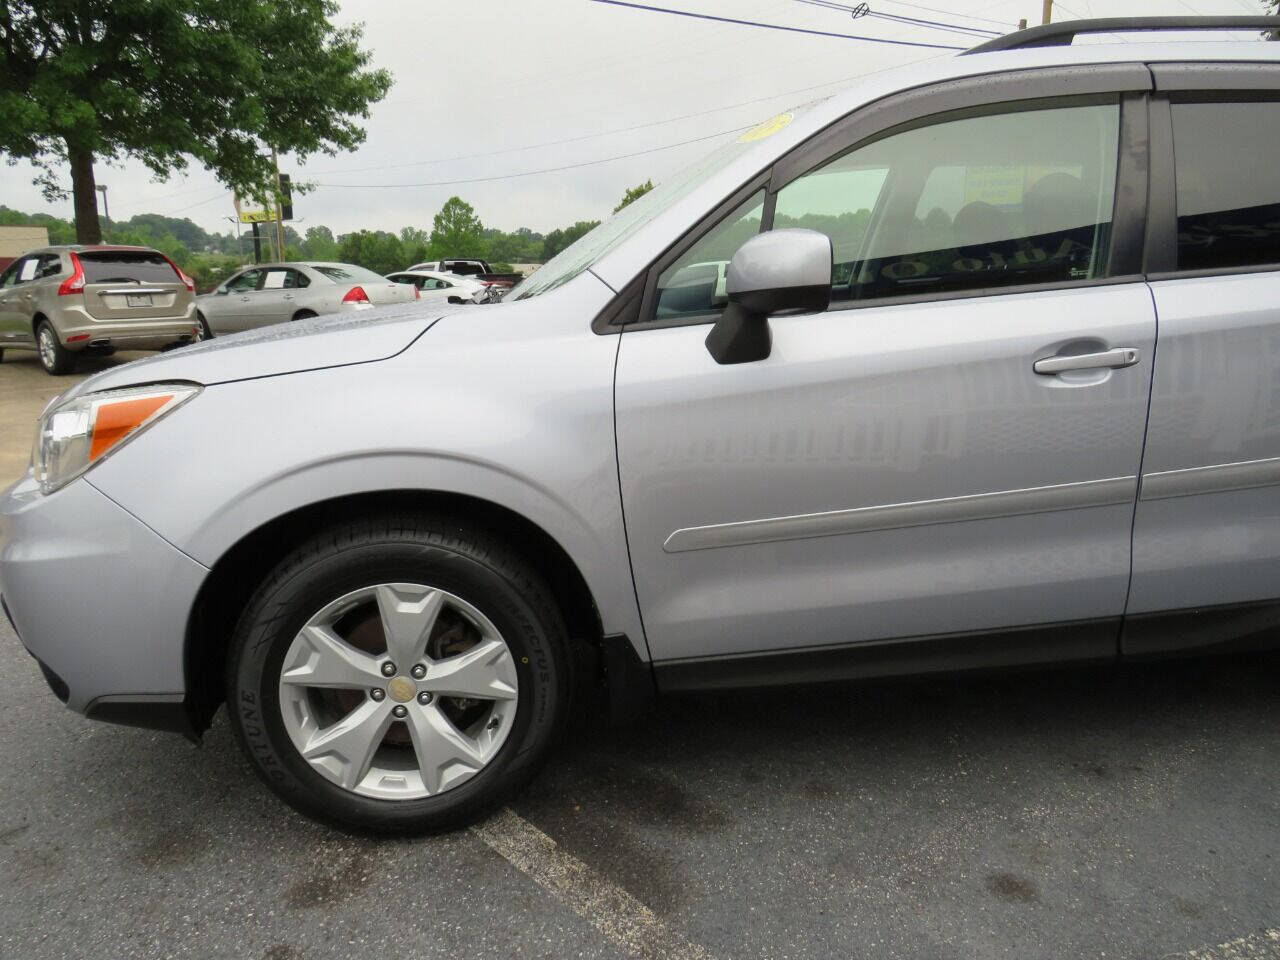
(443, 287)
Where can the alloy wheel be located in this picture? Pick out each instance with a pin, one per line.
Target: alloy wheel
(48, 348)
(398, 691)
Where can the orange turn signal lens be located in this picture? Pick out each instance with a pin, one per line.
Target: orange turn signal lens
(116, 419)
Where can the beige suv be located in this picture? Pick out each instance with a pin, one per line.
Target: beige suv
(62, 301)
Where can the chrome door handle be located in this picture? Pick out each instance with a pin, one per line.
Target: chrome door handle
(1117, 358)
(288, 296)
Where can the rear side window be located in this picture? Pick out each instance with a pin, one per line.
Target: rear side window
(976, 202)
(1228, 184)
(126, 266)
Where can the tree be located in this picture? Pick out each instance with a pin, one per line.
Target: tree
(456, 231)
(378, 250)
(223, 82)
(634, 194)
(318, 244)
(557, 240)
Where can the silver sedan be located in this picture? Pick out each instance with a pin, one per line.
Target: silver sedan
(279, 292)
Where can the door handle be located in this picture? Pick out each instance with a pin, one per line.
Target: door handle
(244, 299)
(1115, 359)
(288, 296)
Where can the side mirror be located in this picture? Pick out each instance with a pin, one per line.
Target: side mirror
(782, 270)
(222, 291)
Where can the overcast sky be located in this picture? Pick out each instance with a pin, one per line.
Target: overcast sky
(489, 84)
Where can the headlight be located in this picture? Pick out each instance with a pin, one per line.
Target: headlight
(74, 435)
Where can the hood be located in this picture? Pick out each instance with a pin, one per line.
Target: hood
(335, 340)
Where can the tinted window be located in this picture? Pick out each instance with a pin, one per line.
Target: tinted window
(10, 275)
(50, 265)
(977, 202)
(282, 278)
(126, 266)
(244, 282)
(1228, 184)
(695, 283)
(346, 272)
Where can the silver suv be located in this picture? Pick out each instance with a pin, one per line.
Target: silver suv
(991, 381)
(61, 301)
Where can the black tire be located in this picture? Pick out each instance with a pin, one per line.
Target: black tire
(205, 332)
(1, 355)
(54, 357)
(469, 563)
(305, 315)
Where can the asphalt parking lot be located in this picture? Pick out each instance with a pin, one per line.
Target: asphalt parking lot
(1090, 813)
(1085, 813)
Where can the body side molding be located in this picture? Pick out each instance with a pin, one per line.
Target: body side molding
(1218, 478)
(980, 506)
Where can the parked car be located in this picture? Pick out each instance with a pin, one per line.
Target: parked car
(278, 292)
(479, 269)
(393, 549)
(66, 300)
(444, 287)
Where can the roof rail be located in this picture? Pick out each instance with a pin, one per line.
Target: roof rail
(1061, 34)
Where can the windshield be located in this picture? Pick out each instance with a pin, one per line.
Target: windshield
(577, 257)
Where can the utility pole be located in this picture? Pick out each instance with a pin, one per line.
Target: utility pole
(276, 200)
(1046, 13)
(106, 213)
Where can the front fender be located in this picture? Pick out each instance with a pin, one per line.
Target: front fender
(513, 405)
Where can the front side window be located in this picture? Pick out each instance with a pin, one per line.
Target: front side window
(976, 202)
(244, 282)
(695, 283)
(1228, 184)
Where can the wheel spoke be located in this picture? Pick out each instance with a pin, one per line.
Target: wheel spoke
(408, 614)
(486, 672)
(347, 747)
(440, 747)
(326, 660)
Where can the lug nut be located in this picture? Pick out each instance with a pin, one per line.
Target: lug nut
(418, 671)
(377, 693)
(425, 697)
(388, 669)
(399, 711)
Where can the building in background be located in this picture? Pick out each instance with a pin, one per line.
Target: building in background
(15, 241)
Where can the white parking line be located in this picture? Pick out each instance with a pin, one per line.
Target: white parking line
(1264, 945)
(618, 915)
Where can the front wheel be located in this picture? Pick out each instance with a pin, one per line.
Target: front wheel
(202, 328)
(54, 357)
(398, 675)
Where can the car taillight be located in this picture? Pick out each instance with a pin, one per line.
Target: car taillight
(186, 281)
(356, 295)
(417, 293)
(75, 283)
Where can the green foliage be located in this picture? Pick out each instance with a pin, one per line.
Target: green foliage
(219, 81)
(519, 246)
(456, 231)
(210, 269)
(557, 240)
(500, 266)
(319, 244)
(634, 194)
(378, 250)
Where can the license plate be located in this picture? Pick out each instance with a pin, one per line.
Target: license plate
(138, 299)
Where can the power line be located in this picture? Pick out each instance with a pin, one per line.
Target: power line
(775, 26)
(593, 136)
(951, 13)
(530, 173)
(863, 10)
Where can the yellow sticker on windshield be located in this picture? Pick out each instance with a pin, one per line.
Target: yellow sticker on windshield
(768, 128)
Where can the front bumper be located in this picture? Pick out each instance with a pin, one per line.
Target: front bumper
(99, 600)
